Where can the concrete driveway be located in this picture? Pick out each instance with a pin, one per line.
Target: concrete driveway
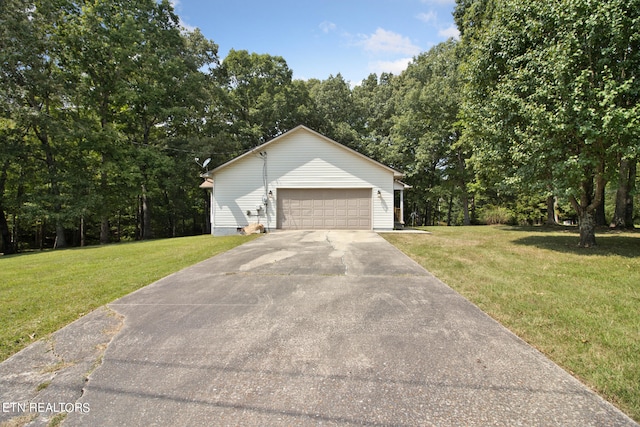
(314, 328)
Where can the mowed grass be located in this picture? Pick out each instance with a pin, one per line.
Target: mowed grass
(40, 292)
(580, 307)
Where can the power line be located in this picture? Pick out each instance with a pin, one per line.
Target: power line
(178, 149)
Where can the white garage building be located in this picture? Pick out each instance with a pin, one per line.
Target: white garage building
(303, 180)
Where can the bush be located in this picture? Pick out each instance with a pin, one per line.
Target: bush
(492, 215)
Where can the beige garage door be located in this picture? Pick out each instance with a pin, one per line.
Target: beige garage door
(348, 209)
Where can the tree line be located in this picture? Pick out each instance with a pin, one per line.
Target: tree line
(105, 106)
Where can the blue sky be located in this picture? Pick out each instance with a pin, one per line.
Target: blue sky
(319, 38)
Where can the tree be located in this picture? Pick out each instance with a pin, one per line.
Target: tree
(425, 134)
(137, 75)
(255, 93)
(550, 94)
(34, 96)
(335, 110)
(164, 86)
(376, 103)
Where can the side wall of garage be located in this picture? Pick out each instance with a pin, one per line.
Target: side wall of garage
(299, 160)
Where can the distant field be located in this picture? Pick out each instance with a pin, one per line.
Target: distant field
(40, 292)
(581, 307)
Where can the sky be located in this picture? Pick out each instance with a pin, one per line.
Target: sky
(319, 38)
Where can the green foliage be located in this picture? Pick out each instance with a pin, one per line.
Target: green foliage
(546, 81)
(259, 98)
(335, 110)
(495, 215)
(97, 94)
(425, 130)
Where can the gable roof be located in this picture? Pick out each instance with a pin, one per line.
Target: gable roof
(300, 128)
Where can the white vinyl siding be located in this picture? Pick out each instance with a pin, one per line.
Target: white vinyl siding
(299, 159)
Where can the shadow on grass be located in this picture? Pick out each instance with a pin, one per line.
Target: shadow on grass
(608, 243)
(30, 252)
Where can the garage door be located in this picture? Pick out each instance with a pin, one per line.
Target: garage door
(314, 209)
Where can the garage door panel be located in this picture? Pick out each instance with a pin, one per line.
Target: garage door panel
(324, 208)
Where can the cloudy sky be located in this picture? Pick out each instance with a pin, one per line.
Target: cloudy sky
(319, 38)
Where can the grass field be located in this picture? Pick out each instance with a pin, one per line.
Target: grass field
(581, 307)
(40, 292)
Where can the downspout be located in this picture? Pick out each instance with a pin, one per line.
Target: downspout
(265, 182)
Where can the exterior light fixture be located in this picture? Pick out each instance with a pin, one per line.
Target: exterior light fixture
(379, 194)
(270, 194)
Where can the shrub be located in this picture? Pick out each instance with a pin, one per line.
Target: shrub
(492, 215)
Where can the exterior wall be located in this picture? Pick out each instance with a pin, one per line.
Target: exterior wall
(297, 160)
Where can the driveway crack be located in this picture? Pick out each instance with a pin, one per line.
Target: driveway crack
(338, 252)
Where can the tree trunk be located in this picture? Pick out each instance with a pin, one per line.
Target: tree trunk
(118, 227)
(587, 225)
(633, 164)
(104, 230)
(551, 211)
(620, 214)
(599, 214)
(463, 187)
(427, 213)
(623, 215)
(6, 244)
(61, 239)
(40, 235)
(52, 167)
(590, 200)
(104, 218)
(450, 209)
(82, 236)
(146, 215)
(207, 213)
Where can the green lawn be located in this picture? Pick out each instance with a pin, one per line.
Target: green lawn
(40, 292)
(581, 307)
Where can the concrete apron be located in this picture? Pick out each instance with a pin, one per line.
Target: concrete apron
(318, 327)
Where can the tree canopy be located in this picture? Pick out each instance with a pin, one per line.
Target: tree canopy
(552, 95)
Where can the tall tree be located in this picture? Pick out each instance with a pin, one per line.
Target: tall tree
(376, 102)
(164, 86)
(336, 111)
(99, 57)
(426, 132)
(256, 93)
(548, 94)
(34, 93)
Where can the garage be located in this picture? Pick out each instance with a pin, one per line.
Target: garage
(302, 180)
(324, 208)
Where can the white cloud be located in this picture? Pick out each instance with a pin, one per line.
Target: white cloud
(177, 9)
(451, 31)
(428, 18)
(383, 41)
(396, 67)
(327, 26)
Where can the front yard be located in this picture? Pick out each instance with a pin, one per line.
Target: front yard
(580, 307)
